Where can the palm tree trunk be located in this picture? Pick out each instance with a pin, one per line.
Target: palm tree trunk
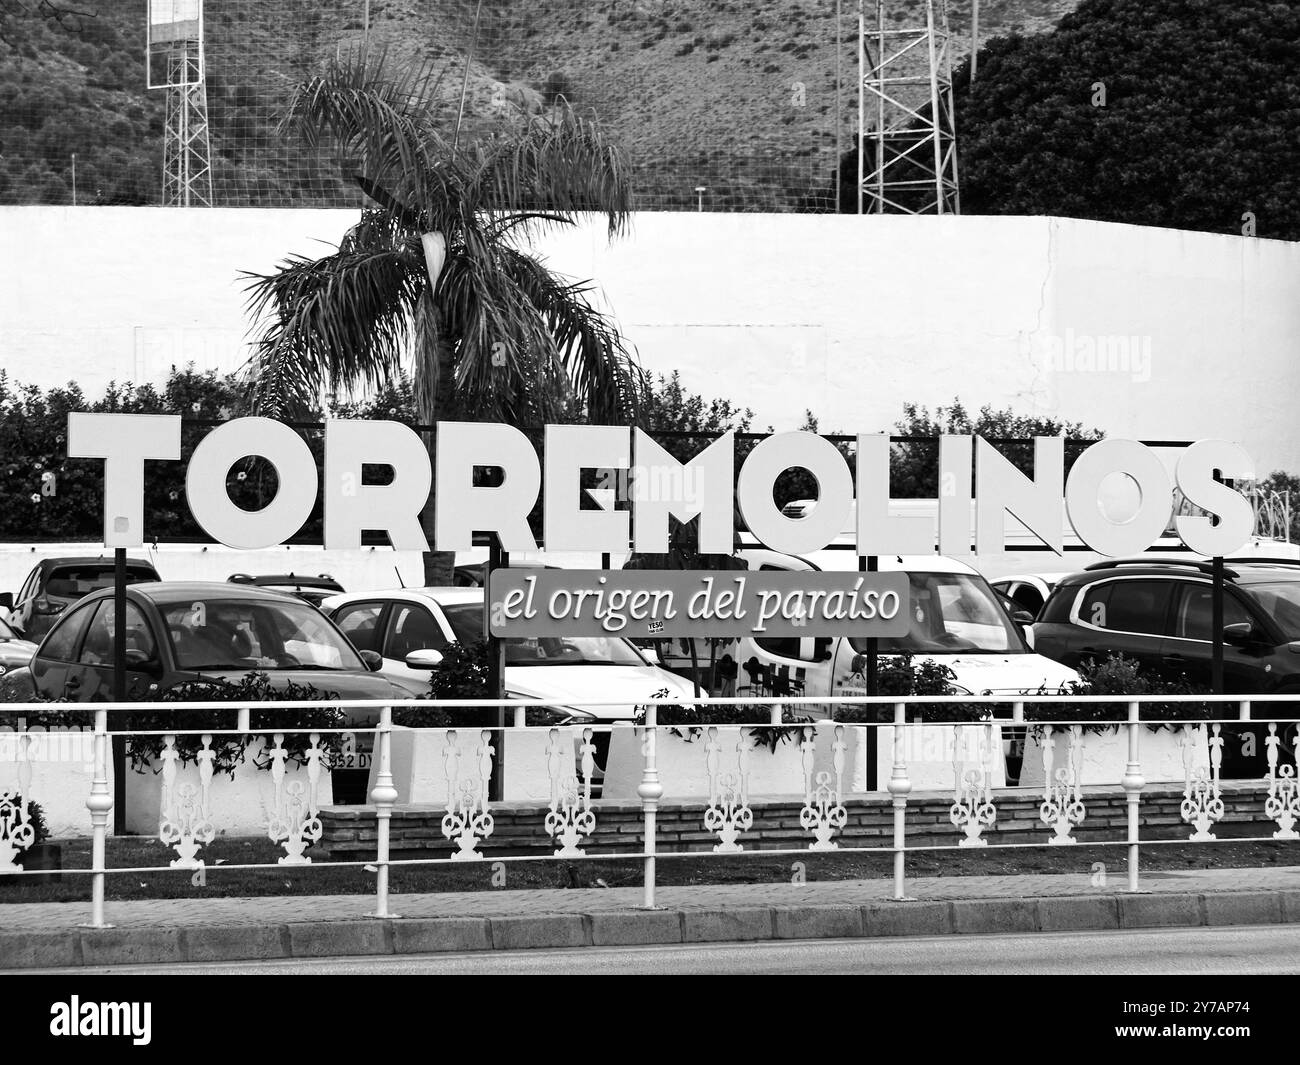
(439, 566)
(433, 362)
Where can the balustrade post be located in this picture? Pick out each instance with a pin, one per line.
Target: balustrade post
(774, 714)
(100, 805)
(521, 712)
(1133, 784)
(1243, 710)
(899, 788)
(650, 792)
(384, 796)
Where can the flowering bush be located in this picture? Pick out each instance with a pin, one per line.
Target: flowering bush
(296, 724)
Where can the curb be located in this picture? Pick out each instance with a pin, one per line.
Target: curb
(355, 937)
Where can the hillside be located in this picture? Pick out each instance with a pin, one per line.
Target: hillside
(739, 96)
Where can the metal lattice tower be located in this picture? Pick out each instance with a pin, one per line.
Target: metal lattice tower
(176, 63)
(907, 125)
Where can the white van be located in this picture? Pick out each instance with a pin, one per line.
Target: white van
(956, 620)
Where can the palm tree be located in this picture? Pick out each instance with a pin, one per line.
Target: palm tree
(437, 270)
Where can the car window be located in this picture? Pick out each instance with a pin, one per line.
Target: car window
(1280, 601)
(571, 651)
(97, 647)
(411, 628)
(61, 644)
(233, 634)
(1193, 616)
(1128, 606)
(1026, 596)
(29, 584)
(951, 612)
(466, 621)
(360, 623)
(782, 646)
(72, 582)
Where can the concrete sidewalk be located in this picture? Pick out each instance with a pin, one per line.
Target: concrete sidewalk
(47, 935)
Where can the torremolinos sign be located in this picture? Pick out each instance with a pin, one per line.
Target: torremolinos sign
(659, 486)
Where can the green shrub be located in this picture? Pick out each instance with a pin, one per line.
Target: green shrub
(1118, 675)
(465, 673)
(229, 749)
(689, 720)
(901, 675)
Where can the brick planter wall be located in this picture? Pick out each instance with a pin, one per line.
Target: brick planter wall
(416, 831)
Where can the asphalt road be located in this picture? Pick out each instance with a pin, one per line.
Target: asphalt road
(1272, 949)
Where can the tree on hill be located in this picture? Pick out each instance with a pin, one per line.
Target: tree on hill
(1179, 113)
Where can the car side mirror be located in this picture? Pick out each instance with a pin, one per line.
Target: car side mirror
(1023, 617)
(426, 659)
(373, 659)
(143, 662)
(7, 600)
(1238, 635)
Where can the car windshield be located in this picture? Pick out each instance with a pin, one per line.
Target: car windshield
(234, 634)
(951, 613)
(466, 621)
(72, 582)
(1280, 600)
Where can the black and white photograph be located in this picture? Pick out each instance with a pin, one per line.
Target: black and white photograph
(582, 488)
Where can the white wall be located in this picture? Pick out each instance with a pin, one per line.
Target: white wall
(849, 316)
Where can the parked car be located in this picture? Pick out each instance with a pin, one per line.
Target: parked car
(1029, 591)
(405, 625)
(474, 575)
(15, 652)
(56, 583)
(1157, 611)
(181, 631)
(957, 620)
(309, 589)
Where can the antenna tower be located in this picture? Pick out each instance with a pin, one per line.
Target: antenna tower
(174, 61)
(907, 130)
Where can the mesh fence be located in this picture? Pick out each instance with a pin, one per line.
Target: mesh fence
(722, 104)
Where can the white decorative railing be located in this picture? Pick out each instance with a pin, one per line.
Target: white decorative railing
(470, 763)
(1062, 808)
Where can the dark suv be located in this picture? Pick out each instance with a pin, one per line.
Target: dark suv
(1158, 612)
(56, 583)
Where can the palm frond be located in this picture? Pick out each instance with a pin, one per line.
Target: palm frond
(587, 349)
(560, 166)
(338, 321)
(497, 330)
(381, 117)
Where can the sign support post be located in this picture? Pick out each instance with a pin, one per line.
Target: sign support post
(497, 559)
(119, 687)
(1216, 617)
(870, 564)
(1216, 623)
